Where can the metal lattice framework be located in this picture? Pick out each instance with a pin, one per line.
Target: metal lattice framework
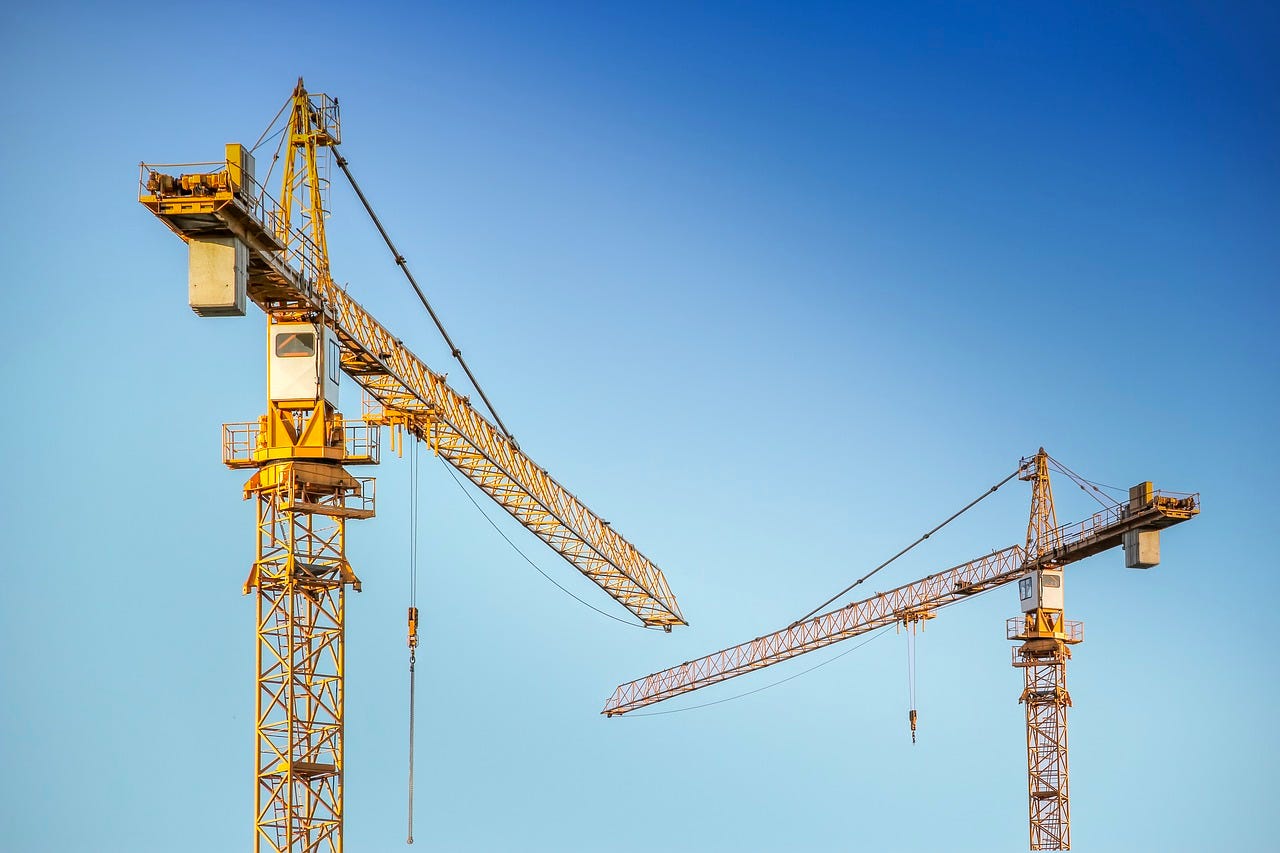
(1042, 657)
(1043, 534)
(1073, 542)
(1046, 700)
(1045, 634)
(403, 384)
(304, 494)
(300, 576)
(861, 617)
(284, 281)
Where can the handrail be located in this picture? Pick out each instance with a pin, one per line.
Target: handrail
(1078, 531)
(383, 366)
(253, 198)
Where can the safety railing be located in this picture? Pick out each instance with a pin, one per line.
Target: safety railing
(365, 498)
(238, 443)
(1020, 628)
(362, 444)
(160, 181)
(324, 114)
(1075, 532)
(295, 494)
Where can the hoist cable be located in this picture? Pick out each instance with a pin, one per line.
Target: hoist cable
(404, 267)
(953, 517)
(525, 556)
(877, 634)
(911, 664)
(911, 678)
(413, 618)
(413, 525)
(412, 685)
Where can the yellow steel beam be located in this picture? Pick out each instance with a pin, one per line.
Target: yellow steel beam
(285, 279)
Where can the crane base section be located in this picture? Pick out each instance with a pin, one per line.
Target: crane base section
(305, 497)
(1045, 696)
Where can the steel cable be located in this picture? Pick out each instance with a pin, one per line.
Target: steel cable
(1086, 485)
(525, 556)
(404, 267)
(952, 518)
(413, 607)
(880, 632)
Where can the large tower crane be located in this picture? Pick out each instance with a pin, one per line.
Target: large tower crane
(246, 246)
(1045, 635)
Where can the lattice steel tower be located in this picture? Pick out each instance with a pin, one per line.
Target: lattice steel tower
(305, 496)
(1042, 657)
(246, 247)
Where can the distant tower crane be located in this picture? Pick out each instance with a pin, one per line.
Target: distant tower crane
(242, 243)
(1046, 637)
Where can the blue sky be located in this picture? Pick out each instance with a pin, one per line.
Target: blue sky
(774, 288)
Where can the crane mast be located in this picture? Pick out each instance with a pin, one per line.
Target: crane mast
(1046, 636)
(304, 498)
(1046, 646)
(243, 245)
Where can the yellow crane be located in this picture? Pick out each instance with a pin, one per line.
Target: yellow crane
(1046, 636)
(246, 246)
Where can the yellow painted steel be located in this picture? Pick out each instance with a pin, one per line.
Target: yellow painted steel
(313, 130)
(1046, 700)
(1042, 657)
(298, 451)
(300, 573)
(300, 576)
(289, 279)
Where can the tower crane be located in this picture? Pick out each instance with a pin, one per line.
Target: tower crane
(246, 246)
(1046, 636)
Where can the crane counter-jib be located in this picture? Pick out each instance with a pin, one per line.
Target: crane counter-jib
(222, 204)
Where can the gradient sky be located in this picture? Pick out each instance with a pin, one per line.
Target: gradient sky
(774, 288)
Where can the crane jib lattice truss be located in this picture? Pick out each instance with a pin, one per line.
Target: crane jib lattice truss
(1045, 634)
(282, 277)
(1101, 531)
(246, 246)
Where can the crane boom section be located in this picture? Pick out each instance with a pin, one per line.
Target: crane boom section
(937, 590)
(1072, 542)
(282, 277)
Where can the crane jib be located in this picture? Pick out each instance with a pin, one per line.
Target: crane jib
(1103, 530)
(281, 276)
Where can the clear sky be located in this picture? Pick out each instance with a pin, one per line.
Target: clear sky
(774, 288)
